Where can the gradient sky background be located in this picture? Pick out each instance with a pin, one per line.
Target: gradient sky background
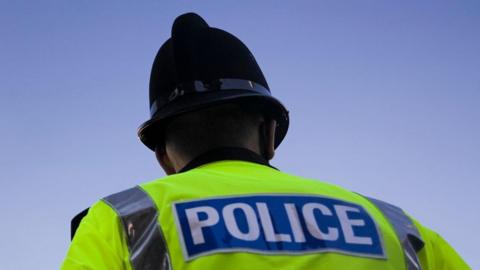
(384, 99)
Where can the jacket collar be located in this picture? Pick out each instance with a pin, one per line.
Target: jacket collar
(225, 153)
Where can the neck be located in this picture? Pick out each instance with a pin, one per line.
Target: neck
(180, 161)
(225, 153)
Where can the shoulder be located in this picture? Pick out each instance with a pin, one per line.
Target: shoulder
(431, 250)
(103, 214)
(98, 243)
(438, 252)
(100, 215)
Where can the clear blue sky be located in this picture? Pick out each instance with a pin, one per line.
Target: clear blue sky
(384, 99)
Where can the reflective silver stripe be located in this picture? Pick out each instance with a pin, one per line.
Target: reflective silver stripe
(406, 231)
(139, 216)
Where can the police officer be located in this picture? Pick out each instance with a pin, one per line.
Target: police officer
(214, 127)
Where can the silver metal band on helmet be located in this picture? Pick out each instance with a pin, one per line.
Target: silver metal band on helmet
(139, 215)
(215, 85)
(406, 231)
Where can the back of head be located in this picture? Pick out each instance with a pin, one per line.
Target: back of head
(227, 125)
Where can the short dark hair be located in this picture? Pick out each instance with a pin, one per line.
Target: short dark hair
(227, 125)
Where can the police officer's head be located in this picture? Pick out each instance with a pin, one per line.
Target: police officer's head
(207, 91)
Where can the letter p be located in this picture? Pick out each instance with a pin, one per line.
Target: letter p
(196, 225)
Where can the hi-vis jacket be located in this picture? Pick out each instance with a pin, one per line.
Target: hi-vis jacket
(231, 210)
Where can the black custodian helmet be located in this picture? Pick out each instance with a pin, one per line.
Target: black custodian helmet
(200, 67)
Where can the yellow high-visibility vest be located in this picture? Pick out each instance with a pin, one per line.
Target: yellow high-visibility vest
(242, 215)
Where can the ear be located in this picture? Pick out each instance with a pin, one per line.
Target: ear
(164, 160)
(269, 138)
